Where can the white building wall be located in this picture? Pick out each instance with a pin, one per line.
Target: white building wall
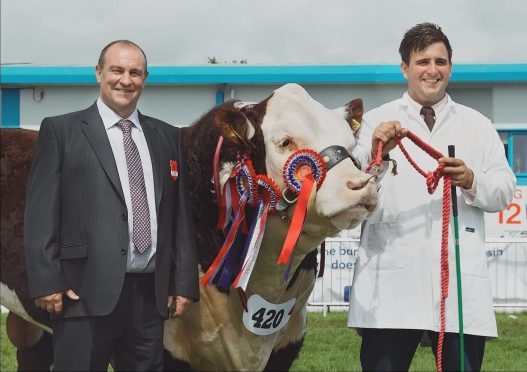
(510, 103)
(181, 105)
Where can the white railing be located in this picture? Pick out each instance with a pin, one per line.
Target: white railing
(507, 262)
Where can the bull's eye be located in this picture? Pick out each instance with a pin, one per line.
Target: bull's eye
(284, 143)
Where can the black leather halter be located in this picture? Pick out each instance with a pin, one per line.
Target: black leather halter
(333, 155)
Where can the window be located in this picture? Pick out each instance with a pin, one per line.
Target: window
(519, 153)
(515, 144)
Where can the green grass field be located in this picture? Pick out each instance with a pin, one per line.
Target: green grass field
(331, 346)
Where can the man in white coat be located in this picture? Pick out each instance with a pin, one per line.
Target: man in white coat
(396, 289)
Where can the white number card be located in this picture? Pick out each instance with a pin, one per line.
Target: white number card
(264, 318)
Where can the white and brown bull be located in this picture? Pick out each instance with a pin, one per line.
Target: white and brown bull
(225, 331)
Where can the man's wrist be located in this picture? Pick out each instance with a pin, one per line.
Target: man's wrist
(470, 180)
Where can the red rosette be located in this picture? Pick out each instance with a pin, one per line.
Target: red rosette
(268, 191)
(299, 165)
(246, 182)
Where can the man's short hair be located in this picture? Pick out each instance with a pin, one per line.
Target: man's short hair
(420, 37)
(123, 42)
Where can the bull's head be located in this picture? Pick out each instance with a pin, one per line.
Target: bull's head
(290, 120)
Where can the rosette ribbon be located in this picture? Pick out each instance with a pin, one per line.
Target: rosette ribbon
(224, 264)
(302, 170)
(267, 198)
(228, 200)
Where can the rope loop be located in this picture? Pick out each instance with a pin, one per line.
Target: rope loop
(432, 180)
(376, 162)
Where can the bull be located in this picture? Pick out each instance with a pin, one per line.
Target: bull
(264, 328)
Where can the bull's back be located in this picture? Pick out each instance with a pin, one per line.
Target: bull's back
(16, 153)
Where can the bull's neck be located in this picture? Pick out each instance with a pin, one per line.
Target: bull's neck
(267, 270)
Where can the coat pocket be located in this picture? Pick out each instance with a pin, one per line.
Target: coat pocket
(383, 249)
(69, 252)
(472, 251)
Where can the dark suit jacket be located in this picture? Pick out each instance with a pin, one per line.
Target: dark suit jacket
(76, 220)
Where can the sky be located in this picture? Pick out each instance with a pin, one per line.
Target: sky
(270, 32)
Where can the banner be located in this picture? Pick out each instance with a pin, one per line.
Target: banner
(505, 247)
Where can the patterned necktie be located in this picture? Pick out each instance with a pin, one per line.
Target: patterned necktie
(141, 214)
(429, 116)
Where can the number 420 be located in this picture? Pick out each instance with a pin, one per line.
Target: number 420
(274, 318)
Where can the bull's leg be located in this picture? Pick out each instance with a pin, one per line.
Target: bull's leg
(171, 364)
(38, 357)
(21, 333)
(34, 346)
(282, 359)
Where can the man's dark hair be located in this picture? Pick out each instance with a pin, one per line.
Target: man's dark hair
(123, 42)
(420, 37)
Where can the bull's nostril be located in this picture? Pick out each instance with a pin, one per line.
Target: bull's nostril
(354, 186)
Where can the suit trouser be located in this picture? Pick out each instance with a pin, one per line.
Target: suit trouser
(394, 349)
(132, 334)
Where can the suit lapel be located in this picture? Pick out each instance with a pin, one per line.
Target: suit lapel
(95, 132)
(150, 130)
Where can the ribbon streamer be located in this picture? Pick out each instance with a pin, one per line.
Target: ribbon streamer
(267, 199)
(301, 172)
(220, 257)
(297, 222)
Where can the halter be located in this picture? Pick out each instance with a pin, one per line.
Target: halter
(333, 155)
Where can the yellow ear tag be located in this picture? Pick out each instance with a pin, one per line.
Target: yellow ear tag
(355, 125)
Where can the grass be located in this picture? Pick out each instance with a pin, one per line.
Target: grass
(7, 350)
(331, 346)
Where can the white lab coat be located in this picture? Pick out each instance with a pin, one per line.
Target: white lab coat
(396, 282)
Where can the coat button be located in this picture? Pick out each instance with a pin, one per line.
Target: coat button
(123, 252)
(124, 217)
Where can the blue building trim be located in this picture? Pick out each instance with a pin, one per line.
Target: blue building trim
(521, 178)
(227, 74)
(10, 115)
(220, 94)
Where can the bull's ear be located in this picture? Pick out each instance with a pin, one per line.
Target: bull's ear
(233, 126)
(355, 110)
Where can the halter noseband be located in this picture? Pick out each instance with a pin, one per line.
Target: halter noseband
(333, 155)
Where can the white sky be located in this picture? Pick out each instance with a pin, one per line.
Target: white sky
(276, 32)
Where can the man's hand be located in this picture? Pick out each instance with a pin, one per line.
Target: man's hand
(181, 307)
(459, 173)
(53, 303)
(386, 132)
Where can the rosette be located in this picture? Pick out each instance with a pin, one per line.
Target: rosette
(301, 172)
(299, 165)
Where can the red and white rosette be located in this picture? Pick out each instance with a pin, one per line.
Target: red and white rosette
(241, 179)
(301, 171)
(268, 192)
(246, 182)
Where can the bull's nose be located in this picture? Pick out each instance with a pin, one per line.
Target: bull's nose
(360, 184)
(353, 185)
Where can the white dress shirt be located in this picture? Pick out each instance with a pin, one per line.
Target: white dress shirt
(136, 262)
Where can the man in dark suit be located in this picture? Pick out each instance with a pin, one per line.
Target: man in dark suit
(108, 230)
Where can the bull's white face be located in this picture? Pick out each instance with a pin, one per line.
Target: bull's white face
(293, 121)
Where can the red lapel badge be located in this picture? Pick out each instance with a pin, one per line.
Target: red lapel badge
(173, 170)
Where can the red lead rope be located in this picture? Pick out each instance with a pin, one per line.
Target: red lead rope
(432, 180)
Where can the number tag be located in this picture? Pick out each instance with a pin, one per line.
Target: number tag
(264, 318)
